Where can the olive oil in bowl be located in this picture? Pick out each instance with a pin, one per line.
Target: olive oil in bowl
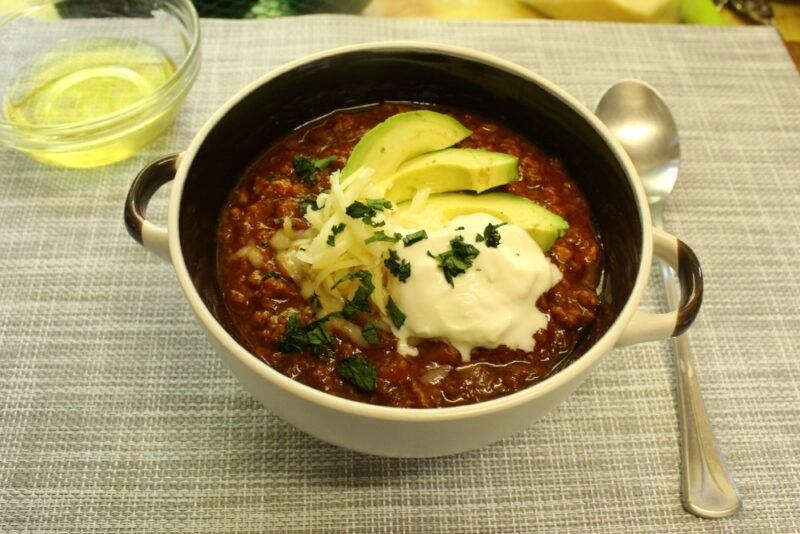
(87, 102)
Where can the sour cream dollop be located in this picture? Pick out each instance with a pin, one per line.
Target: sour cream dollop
(493, 303)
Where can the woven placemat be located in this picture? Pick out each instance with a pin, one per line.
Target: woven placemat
(116, 414)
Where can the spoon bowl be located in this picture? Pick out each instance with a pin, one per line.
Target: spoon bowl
(641, 121)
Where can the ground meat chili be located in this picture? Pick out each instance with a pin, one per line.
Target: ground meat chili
(259, 299)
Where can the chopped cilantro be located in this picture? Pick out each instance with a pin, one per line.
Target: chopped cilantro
(459, 228)
(306, 168)
(310, 202)
(336, 230)
(381, 236)
(358, 372)
(314, 301)
(313, 337)
(360, 301)
(457, 260)
(270, 274)
(379, 204)
(366, 212)
(397, 266)
(361, 275)
(490, 235)
(370, 333)
(397, 317)
(359, 210)
(410, 239)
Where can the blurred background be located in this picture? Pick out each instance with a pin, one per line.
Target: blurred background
(784, 14)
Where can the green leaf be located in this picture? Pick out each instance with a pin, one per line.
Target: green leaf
(270, 274)
(400, 268)
(379, 204)
(410, 239)
(397, 316)
(313, 337)
(306, 168)
(363, 275)
(309, 203)
(336, 230)
(370, 333)
(490, 235)
(358, 210)
(366, 212)
(457, 260)
(360, 301)
(358, 372)
(381, 236)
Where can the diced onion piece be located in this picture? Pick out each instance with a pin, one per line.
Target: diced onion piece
(435, 375)
(280, 241)
(252, 253)
(291, 265)
(351, 330)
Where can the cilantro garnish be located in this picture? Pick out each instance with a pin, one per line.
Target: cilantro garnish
(397, 266)
(366, 212)
(358, 372)
(457, 260)
(370, 333)
(306, 168)
(459, 228)
(361, 275)
(359, 210)
(310, 202)
(360, 301)
(379, 204)
(270, 274)
(336, 230)
(490, 235)
(410, 239)
(381, 236)
(315, 302)
(313, 337)
(397, 317)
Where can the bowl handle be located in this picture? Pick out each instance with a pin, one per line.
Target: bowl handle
(147, 182)
(657, 326)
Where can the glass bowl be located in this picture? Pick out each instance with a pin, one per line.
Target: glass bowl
(90, 82)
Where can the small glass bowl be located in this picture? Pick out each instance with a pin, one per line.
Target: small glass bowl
(39, 27)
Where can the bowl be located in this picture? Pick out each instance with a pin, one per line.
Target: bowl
(90, 83)
(305, 89)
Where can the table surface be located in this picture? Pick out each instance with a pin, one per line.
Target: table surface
(117, 415)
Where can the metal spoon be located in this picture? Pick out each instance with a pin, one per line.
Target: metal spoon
(640, 119)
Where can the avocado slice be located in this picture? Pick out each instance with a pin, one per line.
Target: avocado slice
(402, 137)
(544, 226)
(452, 169)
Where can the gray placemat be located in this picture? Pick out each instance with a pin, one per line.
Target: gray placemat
(117, 415)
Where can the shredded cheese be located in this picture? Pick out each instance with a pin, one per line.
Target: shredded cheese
(316, 265)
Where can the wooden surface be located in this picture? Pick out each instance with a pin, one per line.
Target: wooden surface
(787, 20)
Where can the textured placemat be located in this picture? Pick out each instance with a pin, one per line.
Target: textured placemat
(117, 415)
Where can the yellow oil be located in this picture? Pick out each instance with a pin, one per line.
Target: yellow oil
(87, 80)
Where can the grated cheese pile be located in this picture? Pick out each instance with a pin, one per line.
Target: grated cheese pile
(317, 266)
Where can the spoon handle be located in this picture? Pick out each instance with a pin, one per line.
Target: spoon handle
(708, 487)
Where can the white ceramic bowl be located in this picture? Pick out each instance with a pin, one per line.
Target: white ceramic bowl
(357, 75)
